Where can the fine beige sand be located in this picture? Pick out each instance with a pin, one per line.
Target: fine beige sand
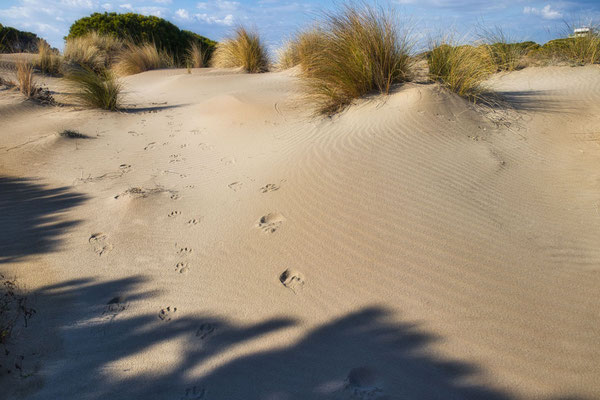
(216, 241)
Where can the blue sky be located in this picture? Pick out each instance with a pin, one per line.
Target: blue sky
(278, 19)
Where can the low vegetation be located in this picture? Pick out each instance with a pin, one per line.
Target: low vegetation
(353, 52)
(72, 134)
(94, 89)
(197, 57)
(15, 41)
(25, 79)
(578, 50)
(244, 49)
(140, 29)
(462, 69)
(299, 48)
(139, 58)
(93, 50)
(49, 61)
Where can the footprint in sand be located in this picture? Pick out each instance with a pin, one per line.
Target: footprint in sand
(115, 306)
(174, 214)
(195, 221)
(194, 393)
(235, 186)
(99, 242)
(174, 196)
(269, 187)
(167, 313)
(184, 250)
(271, 222)
(150, 146)
(292, 279)
(228, 160)
(205, 330)
(125, 168)
(182, 267)
(134, 133)
(205, 146)
(363, 383)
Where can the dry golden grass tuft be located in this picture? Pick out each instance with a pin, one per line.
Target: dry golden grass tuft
(299, 48)
(244, 49)
(139, 58)
(94, 89)
(93, 50)
(462, 69)
(196, 56)
(49, 61)
(25, 79)
(355, 51)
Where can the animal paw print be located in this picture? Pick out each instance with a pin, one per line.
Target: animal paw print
(194, 393)
(292, 279)
(167, 313)
(99, 242)
(174, 214)
(174, 196)
(271, 222)
(182, 267)
(184, 250)
(194, 221)
(269, 187)
(205, 330)
(235, 186)
(125, 168)
(150, 146)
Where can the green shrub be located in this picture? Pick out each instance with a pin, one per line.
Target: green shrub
(141, 29)
(94, 89)
(581, 50)
(15, 41)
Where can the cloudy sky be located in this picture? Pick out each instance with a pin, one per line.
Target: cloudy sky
(277, 19)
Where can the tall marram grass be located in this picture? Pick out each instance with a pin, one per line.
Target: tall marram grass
(95, 89)
(297, 50)
(462, 69)
(93, 50)
(196, 56)
(49, 61)
(357, 50)
(244, 49)
(139, 58)
(24, 74)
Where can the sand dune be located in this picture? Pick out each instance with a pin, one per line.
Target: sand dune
(216, 241)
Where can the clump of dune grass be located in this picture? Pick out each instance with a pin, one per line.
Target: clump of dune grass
(94, 89)
(582, 48)
(93, 50)
(49, 61)
(196, 56)
(462, 69)
(299, 48)
(506, 53)
(244, 49)
(25, 79)
(355, 51)
(139, 58)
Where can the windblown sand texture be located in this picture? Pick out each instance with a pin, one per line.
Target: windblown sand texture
(216, 241)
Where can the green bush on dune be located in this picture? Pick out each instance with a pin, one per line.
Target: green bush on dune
(15, 41)
(141, 29)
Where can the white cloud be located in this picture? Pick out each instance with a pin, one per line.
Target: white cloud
(107, 6)
(182, 14)
(211, 19)
(163, 1)
(126, 6)
(545, 12)
(221, 5)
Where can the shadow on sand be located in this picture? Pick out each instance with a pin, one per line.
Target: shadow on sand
(30, 221)
(91, 329)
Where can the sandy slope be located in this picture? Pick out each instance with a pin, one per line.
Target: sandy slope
(432, 250)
